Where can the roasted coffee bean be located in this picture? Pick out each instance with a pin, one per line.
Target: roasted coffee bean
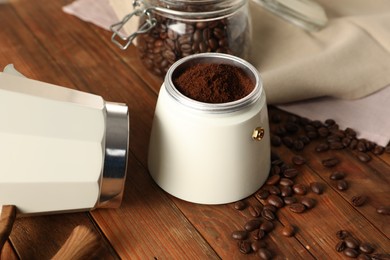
(289, 200)
(259, 234)
(280, 131)
(350, 132)
(255, 211)
(274, 190)
(275, 201)
(308, 202)
(378, 150)
(387, 149)
(240, 234)
(346, 141)
(240, 205)
(350, 252)
(262, 194)
(340, 246)
(298, 160)
(288, 141)
(276, 118)
(288, 230)
(271, 208)
(337, 175)
(342, 234)
(268, 214)
(291, 127)
(275, 170)
(276, 140)
(300, 189)
(264, 254)
(361, 146)
(297, 207)
(286, 191)
(351, 242)
(363, 157)
(245, 246)
(286, 182)
(383, 256)
(312, 135)
(317, 187)
(252, 224)
(333, 139)
(330, 122)
(298, 145)
(322, 147)
(384, 210)
(330, 162)
(358, 200)
(363, 257)
(267, 226)
(353, 144)
(290, 173)
(342, 185)
(336, 145)
(273, 179)
(323, 131)
(256, 245)
(366, 247)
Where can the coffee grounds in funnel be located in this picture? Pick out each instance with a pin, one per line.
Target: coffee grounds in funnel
(214, 83)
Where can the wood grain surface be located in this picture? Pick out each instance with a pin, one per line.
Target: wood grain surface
(46, 44)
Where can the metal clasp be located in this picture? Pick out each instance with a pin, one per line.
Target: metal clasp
(258, 133)
(125, 41)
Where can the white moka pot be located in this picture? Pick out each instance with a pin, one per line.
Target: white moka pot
(210, 153)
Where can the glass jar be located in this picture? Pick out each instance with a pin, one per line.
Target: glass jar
(170, 30)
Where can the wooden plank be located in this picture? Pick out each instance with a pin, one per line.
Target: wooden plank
(147, 225)
(8, 252)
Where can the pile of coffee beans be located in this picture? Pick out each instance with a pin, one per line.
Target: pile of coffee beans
(172, 39)
(282, 191)
(351, 247)
(279, 191)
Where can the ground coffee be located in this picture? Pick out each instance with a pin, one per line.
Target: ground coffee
(214, 83)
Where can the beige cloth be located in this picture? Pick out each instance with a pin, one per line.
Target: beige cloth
(349, 58)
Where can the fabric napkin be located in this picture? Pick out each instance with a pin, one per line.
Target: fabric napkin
(326, 69)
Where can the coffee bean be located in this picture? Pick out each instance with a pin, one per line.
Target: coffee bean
(308, 202)
(384, 210)
(255, 211)
(298, 160)
(351, 242)
(265, 254)
(366, 247)
(289, 200)
(271, 208)
(330, 162)
(378, 150)
(317, 187)
(353, 144)
(268, 214)
(286, 191)
(273, 179)
(337, 175)
(274, 190)
(363, 257)
(383, 256)
(275, 201)
(330, 122)
(323, 131)
(298, 145)
(363, 157)
(262, 194)
(342, 234)
(340, 246)
(290, 173)
(342, 185)
(245, 246)
(288, 230)
(322, 147)
(276, 140)
(259, 234)
(275, 118)
(358, 200)
(240, 234)
(256, 245)
(350, 252)
(252, 224)
(361, 146)
(336, 145)
(288, 141)
(286, 182)
(387, 149)
(300, 189)
(267, 226)
(240, 205)
(297, 207)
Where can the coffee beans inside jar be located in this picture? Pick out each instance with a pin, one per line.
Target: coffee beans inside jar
(188, 27)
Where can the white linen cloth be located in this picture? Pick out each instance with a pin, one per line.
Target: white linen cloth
(348, 59)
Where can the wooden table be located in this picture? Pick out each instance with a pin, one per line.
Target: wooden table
(48, 45)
